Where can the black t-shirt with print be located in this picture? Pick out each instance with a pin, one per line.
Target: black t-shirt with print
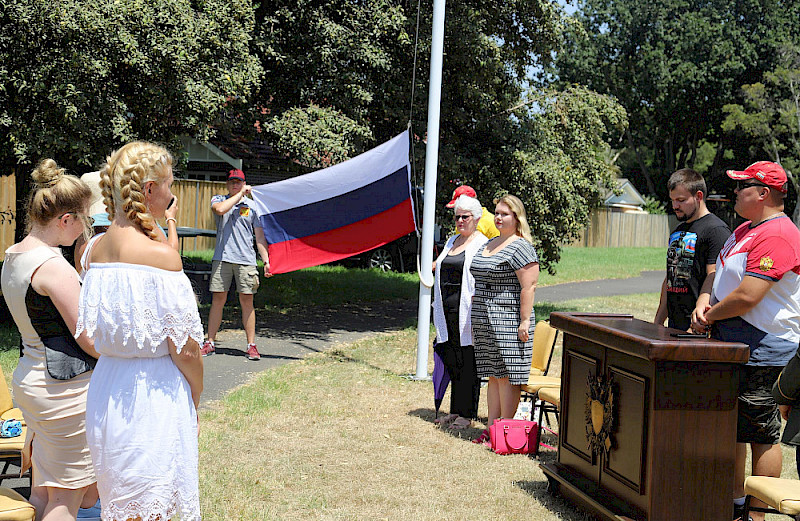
(692, 246)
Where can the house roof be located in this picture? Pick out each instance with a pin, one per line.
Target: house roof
(261, 163)
(629, 196)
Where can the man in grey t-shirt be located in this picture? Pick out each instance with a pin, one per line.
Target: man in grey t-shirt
(235, 259)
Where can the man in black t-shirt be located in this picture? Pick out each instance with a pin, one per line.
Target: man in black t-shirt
(693, 249)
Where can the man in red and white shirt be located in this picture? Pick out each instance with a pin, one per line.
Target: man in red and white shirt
(756, 300)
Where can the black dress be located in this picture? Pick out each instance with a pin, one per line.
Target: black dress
(459, 360)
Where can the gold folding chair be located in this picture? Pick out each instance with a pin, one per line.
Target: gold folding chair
(549, 402)
(781, 495)
(544, 342)
(13, 506)
(7, 409)
(10, 448)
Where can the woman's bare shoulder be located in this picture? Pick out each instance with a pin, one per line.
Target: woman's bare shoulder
(162, 256)
(138, 249)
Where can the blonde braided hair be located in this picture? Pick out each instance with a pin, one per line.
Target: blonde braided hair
(123, 177)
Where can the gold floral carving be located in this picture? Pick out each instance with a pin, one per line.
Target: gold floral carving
(599, 413)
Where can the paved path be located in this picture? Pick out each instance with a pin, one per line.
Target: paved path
(646, 282)
(282, 338)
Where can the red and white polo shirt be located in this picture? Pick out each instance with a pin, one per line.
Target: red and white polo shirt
(770, 250)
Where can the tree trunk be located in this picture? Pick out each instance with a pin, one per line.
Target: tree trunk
(669, 155)
(649, 180)
(682, 157)
(693, 151)
(717, 157)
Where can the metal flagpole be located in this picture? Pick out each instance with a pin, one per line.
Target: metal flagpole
(429, 197)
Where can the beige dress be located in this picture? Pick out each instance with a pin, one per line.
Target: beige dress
(54, 410)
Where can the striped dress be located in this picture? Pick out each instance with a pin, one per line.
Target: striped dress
(495, 313)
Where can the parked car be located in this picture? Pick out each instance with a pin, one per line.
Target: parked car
(398, 255)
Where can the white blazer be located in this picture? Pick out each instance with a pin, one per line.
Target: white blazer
(467, 291)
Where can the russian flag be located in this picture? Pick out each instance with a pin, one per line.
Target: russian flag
(340, 211)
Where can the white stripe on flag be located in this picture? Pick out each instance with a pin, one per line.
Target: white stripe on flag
(335, 180)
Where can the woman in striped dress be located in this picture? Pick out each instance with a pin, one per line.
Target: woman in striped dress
(506, 270)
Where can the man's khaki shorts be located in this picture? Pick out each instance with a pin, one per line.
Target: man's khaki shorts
(222, 273)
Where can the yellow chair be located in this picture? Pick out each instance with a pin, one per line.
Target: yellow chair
(782, 495)
(551, 396)
(549, 401)
(10, 448)
(7, 409)
(13, 507)
(544, 342)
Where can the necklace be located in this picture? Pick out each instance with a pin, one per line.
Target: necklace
(779, 214)
(465, 240)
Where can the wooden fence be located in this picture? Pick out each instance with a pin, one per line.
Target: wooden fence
(8, 210)
(628, 230)
(194, 210)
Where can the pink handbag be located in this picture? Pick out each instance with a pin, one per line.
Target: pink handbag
(514, 436)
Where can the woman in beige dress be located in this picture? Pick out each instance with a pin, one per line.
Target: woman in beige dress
(51, 381)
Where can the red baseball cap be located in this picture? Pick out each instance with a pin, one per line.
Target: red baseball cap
(236, 174)
(769, 173)
(461, 190)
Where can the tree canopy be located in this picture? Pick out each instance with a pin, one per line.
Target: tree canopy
(564, 171)
(338, 79)
(79, 77)
(673, 64)
(319, 81)
(770, 116)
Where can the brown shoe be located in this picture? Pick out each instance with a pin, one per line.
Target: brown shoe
(460, 424)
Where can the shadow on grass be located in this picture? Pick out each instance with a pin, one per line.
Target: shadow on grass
(542, 310)
(553, 502)
(339, 355)
(9, 336)
(429, 415)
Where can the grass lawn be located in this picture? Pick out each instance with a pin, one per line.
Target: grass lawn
(604, 263)
(331, 285)
(345, 435)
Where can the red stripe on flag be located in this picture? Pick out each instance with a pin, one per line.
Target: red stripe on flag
(342, 242)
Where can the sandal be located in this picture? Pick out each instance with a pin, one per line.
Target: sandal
(460, 424)
(483, 439)
(445, 419)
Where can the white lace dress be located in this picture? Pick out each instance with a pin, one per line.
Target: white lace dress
(141, 423)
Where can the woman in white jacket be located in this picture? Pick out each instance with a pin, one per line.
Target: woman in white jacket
(452, 305)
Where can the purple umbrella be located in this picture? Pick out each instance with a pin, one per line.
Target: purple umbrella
(441, 379)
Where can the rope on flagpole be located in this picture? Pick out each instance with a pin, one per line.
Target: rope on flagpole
(414, 67)
(417, 221)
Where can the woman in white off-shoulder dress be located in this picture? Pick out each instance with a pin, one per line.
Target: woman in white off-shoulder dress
(138, 306)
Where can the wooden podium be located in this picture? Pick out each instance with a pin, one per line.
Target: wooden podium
(648, 420)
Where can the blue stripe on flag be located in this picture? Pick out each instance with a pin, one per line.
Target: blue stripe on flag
(339, 211)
